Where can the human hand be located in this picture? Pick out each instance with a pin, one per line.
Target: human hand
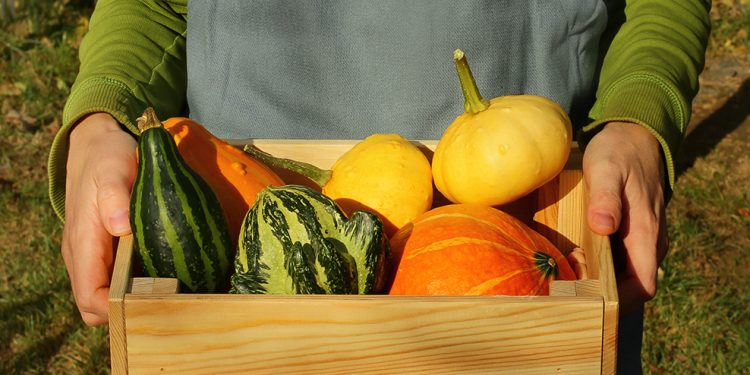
(624, 173)
(101, 168)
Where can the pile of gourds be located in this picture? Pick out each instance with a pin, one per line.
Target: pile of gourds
(219, 219)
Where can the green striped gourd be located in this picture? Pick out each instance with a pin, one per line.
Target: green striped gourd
(295, 240)
(178, 226)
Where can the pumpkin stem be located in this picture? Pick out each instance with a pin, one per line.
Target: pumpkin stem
(148, 120)
(546, 264)
(473, 101)
(317, 175)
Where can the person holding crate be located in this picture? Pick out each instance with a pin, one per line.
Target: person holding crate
(625, 71)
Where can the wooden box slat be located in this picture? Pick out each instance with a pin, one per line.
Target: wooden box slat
(573, 331)
(381, 334)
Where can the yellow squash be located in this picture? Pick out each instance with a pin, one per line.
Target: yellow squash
(502, 149)
(385, 174)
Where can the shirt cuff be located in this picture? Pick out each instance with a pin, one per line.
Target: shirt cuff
(650, 102)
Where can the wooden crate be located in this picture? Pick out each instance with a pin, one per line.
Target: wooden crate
(154, 329)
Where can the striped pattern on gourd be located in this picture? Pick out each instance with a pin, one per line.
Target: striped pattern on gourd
(295, 240)
(177, 222)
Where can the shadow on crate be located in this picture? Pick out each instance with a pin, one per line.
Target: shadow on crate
(563, 243)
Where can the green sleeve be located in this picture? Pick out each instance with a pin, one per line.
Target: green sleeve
(132, 56)
(649, 75)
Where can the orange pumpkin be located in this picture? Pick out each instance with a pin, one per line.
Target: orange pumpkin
(472, 249)
(234, 176)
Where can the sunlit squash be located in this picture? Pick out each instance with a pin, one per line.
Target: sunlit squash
(179, 230)
(385, 174)
(502, 149)
(471, 249)
(296, 240)
(233, 175)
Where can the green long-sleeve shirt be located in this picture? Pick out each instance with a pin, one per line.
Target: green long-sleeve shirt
(134, 56)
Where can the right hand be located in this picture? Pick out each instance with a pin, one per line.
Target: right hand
(101, 169)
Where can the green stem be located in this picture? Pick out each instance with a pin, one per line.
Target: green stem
(148, 120)
(317, 175)
(473, 101)
(546, 264)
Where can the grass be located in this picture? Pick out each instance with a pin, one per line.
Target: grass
(698, 322)
(730, 34)
(40, 329)
(700, 318)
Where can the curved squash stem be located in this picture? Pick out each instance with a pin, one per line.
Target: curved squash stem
(317, 175)
(148, 120)
(473, 101)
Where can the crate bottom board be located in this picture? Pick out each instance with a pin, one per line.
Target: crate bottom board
(378, 334)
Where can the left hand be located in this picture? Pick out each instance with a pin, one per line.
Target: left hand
(624, 173)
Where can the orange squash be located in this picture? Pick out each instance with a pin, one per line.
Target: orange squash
(234, 176)
(471, 249)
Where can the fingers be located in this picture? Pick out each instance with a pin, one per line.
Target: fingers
(113, 196)
(87, 251)
(100, 172)
(637, 283)
(623, 170)
(113, 180)
(91, 277)
(645, 242)
(605, 184)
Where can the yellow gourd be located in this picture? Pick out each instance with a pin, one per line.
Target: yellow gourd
(385, 174)
(502, 149)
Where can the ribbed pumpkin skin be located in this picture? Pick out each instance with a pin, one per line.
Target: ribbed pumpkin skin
(233, 175)
(295, 240)
(176, 219)
(467, 249)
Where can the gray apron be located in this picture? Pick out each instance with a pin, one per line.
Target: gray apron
(347, 69)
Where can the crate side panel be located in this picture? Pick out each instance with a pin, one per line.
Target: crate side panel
(363, 335)
(118, 288)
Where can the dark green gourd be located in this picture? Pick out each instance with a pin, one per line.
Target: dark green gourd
(295, 240)
(178, 226)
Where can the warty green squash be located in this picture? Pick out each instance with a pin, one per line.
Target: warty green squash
(295, 240)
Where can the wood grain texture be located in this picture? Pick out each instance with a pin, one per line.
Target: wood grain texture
(546, 217)
(363, 334)
(562, 288)
(575, 288)
(601, 267)
(151, 285)
(320, 153)
(572, 205)
(118, 287)
(562, 218)
(609, 339)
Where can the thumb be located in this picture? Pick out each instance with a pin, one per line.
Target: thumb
(605, 185)
(113, 198)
